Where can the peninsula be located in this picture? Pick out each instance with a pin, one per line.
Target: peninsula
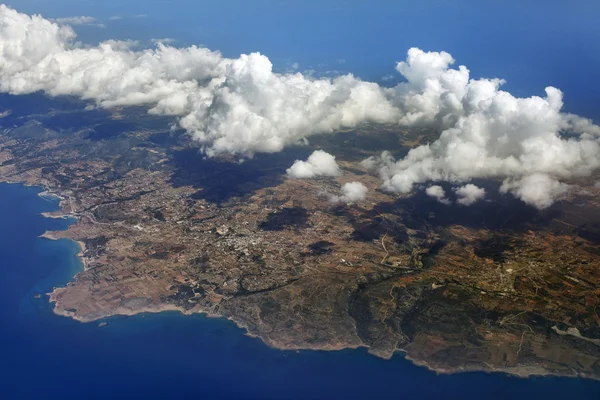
(498, 286)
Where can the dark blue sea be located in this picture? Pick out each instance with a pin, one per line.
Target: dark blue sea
(170, 356)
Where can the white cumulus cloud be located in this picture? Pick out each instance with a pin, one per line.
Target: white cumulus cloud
(319, 163)
(351, 193)
(536, 189)
(240, 106)
(438, 193)
(469, 194)
(487, 133)
(79, 20)
(165, 41)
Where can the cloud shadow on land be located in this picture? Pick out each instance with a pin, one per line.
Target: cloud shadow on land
(288, 217)
(421, 213)
(221, 179)
(496, 212)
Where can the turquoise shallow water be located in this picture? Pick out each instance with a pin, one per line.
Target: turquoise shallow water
(168, 355)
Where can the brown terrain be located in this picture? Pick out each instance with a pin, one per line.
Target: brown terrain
(498, 286)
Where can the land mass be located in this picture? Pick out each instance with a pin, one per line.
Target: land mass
(498, 286)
